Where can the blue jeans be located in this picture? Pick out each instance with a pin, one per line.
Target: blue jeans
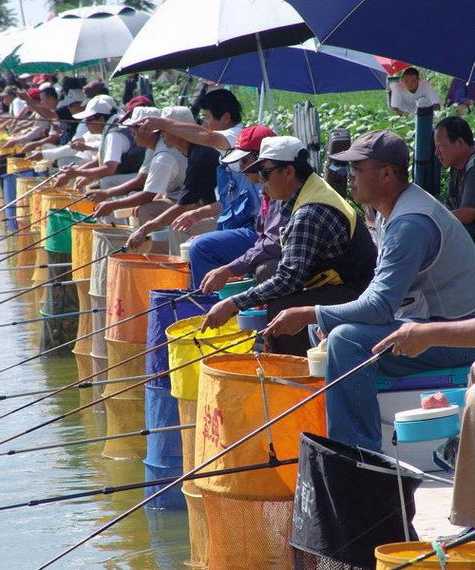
(352, 405)
(214, 249)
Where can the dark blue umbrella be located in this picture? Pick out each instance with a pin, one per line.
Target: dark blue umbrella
(302, 69)
(435, 34)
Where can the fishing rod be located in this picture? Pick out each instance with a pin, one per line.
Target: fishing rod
(55, 233)
(45, 284)
(52, 317)
(35, 222)
(30, 191)
(253, 433)
(42, 266)
(143, 432)
(153, 483)
(81, 386)
(101, 330)
(126, 388)
(17, 250)
(435, 552)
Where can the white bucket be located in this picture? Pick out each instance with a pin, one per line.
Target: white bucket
(317, 360)
(185, 250)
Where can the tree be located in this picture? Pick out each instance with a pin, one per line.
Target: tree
(7, 15)
(62, 5)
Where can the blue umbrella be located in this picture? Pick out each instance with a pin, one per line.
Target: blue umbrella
(437, 34)
(303, 69)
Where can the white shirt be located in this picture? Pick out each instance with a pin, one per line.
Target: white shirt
(115, 145)
(406, 101)
(16, 106)
(231, 136)
(145, 167)
(167, 172)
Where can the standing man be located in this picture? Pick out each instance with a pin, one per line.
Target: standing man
(412, 91)
(455, 149)
(425, 272)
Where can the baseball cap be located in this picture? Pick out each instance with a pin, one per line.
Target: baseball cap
(285, 149)
(178, 113)
(34, 93)
(139, 101)
(141, 113)
(10, 90)
(249, 140)
(384, 146)
(103, 104)
(73, 96)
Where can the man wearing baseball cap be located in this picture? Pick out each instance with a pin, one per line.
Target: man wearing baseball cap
(118, 159)
(327, 252)
(425, 272)
(215, 256)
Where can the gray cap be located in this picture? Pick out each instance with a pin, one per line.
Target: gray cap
(383, 146)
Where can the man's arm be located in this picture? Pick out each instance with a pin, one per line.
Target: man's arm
(466, 212)
(193, 133)
(136, 183)
(136, 199)
(409, 245)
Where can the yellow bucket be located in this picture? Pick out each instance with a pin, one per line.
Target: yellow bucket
(17, 164)
(390, 555)
(27, 257)
(9, 151)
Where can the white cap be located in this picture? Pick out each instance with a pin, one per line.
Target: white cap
(45, 85)
(140, 114)
(24, 75)
(177, 113)
(280, 148)
(73, 96)
(103, 104)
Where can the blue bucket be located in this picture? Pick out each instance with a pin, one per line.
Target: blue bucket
(235, 287)
(164, 451)
(9, 194)
(252, 319)
(427, 425)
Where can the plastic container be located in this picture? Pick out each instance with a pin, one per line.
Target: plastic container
(317, 360)
(455, 396)
(426, 425)
(185, 250)
(235, 287)
(390, 555)
(252, 319)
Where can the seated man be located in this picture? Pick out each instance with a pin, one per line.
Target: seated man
(455, 149)
(32, 126)
(118, 156)
(425, 271)
(218, 249)
(327, 252)
(412, 91)
(416, 339)
(238, 199)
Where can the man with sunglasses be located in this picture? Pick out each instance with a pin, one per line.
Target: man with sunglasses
(425, 272)
(327, 252)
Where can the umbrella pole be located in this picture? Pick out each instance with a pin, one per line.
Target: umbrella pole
(261, 100)
(265, 77)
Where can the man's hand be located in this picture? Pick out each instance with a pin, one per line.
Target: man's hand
(104, 209)
(186, 220)
(9, 144)
(148, 126)
(219, 314)
(29, 147)
(97, 195)
(78, 144)
(61, 180)
(215, 279)
(81, 182)
(291, 321)
(37, 155)
(410, 340)
(136, 239)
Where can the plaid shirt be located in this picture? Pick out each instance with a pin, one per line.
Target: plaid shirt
(314, 233)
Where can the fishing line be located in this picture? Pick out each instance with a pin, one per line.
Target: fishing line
(103, 329)
(42, 266)
(123, 390)
(152, 483)
(35, 222)
(212, 459)
(143, 432)
(30, 191)
(52, 317)
(45, 284)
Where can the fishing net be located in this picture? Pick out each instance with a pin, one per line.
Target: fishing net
(347, 503)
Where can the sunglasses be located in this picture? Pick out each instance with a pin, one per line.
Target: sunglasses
(265, 173)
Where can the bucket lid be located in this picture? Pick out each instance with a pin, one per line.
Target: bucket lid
(420, 414)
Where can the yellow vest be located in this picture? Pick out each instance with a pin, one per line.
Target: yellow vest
(318, 191)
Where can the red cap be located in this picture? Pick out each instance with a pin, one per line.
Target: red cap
(249, 140)
(139, 101)
(34, 93)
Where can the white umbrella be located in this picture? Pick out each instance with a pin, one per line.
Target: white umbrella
(85, 34)
(183, 33)
(10, 40)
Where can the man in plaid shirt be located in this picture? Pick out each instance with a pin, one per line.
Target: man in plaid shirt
(328, 256)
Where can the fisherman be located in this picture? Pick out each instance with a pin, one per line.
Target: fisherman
(238, 199)
(425, 271)
(328, 255)
(33, 127)
(418, 340)
(262, 258)
(412, 91)
(456, 150)
(118, 159)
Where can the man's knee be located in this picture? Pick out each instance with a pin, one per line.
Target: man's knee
(344, 334)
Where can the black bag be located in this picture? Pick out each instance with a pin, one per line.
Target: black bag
(347, 503)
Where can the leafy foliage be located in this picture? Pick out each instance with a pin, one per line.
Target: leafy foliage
(7, 15)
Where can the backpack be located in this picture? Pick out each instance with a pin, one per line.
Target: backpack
(240, 199)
